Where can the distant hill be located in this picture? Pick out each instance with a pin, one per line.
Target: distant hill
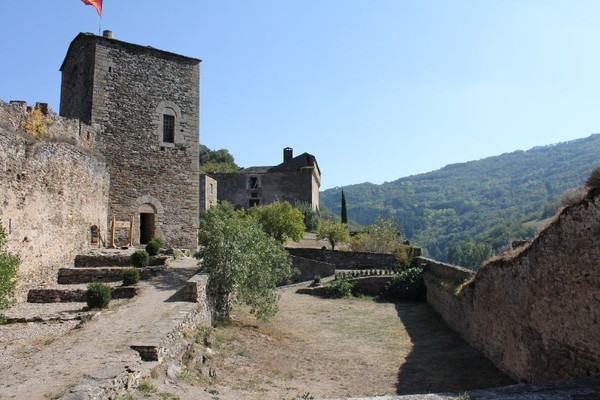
(492, 200)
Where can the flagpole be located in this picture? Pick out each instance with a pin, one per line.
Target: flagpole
(100, 26)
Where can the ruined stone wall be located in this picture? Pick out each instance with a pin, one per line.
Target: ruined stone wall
(51, 194)
(208, 192)
(133, 87)
(13, 114)
(233, 188)
(535, 315)
(291, 186)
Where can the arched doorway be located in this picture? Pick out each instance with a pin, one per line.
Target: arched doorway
(147, 215)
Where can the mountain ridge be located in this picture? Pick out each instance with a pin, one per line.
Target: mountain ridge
(485, 200)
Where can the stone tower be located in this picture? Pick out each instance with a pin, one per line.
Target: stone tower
(146, 103)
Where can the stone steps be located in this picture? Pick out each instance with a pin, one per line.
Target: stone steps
(104, 267)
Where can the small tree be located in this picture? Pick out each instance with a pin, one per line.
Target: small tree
(334, 232)
(244, 263)
(344, 210)
(9, 263)
(37, 123)
(280, 220)
(311, 217)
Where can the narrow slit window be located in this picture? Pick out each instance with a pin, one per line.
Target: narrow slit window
(168, 128)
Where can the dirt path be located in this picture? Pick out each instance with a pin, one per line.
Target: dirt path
(100, 346)
(335, 349)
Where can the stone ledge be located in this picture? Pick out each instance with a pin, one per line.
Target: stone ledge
(195, 288)
(68, 276)
(112, 260)
(76, 295)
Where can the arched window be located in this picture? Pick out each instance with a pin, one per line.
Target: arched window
(167, 127)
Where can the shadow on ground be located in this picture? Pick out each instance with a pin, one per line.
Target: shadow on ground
(174, 279)
(440, 360)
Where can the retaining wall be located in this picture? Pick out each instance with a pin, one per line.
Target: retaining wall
(308, 268)
(536, 315)
(346, 259)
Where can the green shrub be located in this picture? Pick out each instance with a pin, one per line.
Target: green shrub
(140, 259)
(339, 288)
(9, 263)
(593, 181)
(152, 248)
(97, 295)
(408, 285)
(131, 276)
(317, 280)
(161, 243)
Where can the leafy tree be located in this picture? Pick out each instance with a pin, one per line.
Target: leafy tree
(311, 217)
(244, 263)
(469, 254)
(344, 209)
(381, 237)
(280, 220)
(334, 232)
(9, 263)
(213, 161)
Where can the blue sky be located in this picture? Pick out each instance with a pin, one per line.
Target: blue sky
(375, 89)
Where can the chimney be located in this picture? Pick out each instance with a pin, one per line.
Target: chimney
(107, 34)
(288, 154)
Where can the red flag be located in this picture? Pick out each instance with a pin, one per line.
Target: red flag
(97, 4)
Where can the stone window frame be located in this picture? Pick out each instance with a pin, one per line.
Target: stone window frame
(168, 107)
(256, 180)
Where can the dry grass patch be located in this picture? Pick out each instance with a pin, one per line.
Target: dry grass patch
(337, 348)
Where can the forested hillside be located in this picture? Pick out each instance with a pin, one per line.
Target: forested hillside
(493, 200)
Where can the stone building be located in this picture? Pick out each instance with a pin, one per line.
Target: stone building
(296, 179)
(145, 104)
(208, 192)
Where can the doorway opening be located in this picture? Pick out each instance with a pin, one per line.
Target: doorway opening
(147, 227)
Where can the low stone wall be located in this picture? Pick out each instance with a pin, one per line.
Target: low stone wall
(346, 259)
(69, 276)
(536, 315)
(371, 285)
(112, 260)
(75, 295)
(195, 288)
(308, 268)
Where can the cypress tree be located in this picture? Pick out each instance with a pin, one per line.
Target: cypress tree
(344, 211)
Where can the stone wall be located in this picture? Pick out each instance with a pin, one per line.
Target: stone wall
(13, 114)
(346, 259)
(208, 192)
(536, 314)
(307, 269)
(51, 194)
